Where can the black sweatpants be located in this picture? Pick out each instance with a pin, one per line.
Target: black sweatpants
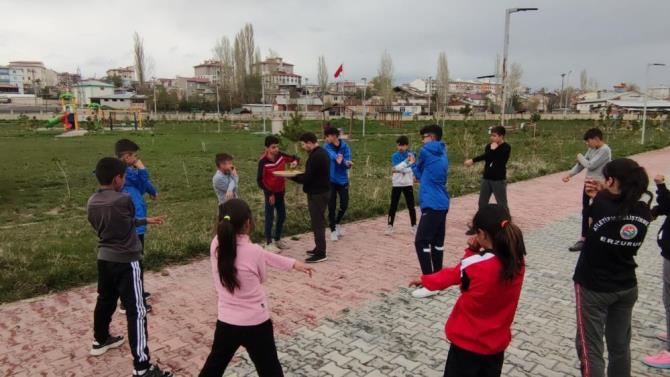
(462, 363)
(335, 216)
(408, 193)
(429, 240)
(317, 203)
(122, 280)
(586, 206)
(258, 340)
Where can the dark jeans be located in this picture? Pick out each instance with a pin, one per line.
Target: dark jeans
(317, 203)
(343, 192)
(586, 205)
(666, 298)
(605, 314)
(280, 206)
(429, 240)
(122, 280)
(408, 193)
(258, 340)
(497, 188)
(462, 363)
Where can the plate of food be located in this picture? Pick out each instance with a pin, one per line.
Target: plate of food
(287, 173)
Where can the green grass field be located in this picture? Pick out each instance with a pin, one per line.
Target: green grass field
(46, 244)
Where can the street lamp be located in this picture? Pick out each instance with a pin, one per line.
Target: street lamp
(508, 12)
(489, 77)
(153, 80)
(565, 105)
(218, 109)
(365, 108)
(646, 89)
(428, 89)
(307, 93)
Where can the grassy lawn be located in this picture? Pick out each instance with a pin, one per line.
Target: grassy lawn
(46, 244)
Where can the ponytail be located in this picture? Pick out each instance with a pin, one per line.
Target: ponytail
(633, 182)
(233, 216)
(506, 237)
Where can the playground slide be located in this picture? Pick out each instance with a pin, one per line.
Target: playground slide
(54, 121)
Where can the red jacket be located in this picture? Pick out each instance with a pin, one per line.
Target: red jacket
(481, 320)
(265, 178)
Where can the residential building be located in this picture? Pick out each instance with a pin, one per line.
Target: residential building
(637, 105)
(278, 78)
(65, 80)
(189, 86)
(168, 84)
(209, 69)
(275, 64)
(334, 99)
(660, 92)
(349, 87)
(408, 99)
(127, 74)
(85, 90)
(298, 104)
(595, 101)
(34, 74)
(11, 80)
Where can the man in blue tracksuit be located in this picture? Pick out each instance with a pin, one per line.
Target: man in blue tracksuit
(340, 163)
(431, 171)
(137, 184)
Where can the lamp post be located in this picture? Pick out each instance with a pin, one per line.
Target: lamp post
(508, 12)
(153, 80)
(429, 89)
(307, 96)
(263, 100)
(365, 108)
(218, 109)
(646, 89)
(488, 77)
(566, 99)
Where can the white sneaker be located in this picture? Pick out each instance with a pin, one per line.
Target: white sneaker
(281, 244)
(413, 230)
(339, 230)
(423, 293)
(333, 236)
(389, 230)
(271, 247)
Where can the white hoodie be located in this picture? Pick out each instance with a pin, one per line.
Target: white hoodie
(402, 175)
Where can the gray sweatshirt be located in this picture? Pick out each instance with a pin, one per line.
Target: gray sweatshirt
(593, 161)
(224, 183)
(112, 215)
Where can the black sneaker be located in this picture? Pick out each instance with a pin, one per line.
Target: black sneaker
(153, 371)
(148, 308)
(146, 295)
(122, 309)
(98, 349)
(316, 258)
(310, 252)
(577, 246)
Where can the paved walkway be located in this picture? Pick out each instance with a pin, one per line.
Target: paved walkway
(355, 316)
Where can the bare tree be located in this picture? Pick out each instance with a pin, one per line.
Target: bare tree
(583, 80)
(140, 59)
(223, 53)
(322, 76)
(442, 81)
(593, 84)
(385, 78)
(513, 83)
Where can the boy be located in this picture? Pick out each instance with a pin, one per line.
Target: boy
(112, 215)
(315, 184)
(496, 154)
(597, 156)
(274, 187)
(340, 163)
(137, 183)
(225, 181)
(402, 181)
(431, 171)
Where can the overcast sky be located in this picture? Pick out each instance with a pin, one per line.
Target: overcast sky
(612, 40)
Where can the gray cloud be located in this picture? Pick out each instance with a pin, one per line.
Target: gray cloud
(611, 40)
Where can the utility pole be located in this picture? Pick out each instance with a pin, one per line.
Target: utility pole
(218, 109)
(646, 89)
(263, 100)
(365, 108)
(562, 91)
(429, 90)
(565, 106)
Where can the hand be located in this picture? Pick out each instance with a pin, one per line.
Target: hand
(339, 159)
(229, 195)
(578, 156)
(659, 179)
(411, 159)
(494, 146)
(271, 199)
(154, 197)
(299, 266)
(416, 282)
(592, 187)
(293, 164)
(468, 162)
(157, 220)
(138, 164)
(566, 179)
(233, 171)
(350, 164)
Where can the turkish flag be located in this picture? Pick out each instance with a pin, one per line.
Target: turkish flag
(339, 70)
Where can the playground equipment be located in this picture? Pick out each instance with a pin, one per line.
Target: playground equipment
(68, 117)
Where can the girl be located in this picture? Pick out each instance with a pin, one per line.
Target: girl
(662, 359)
(239, 268)
(490, 277)
(605, 282)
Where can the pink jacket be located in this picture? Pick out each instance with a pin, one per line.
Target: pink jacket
(247, 305)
